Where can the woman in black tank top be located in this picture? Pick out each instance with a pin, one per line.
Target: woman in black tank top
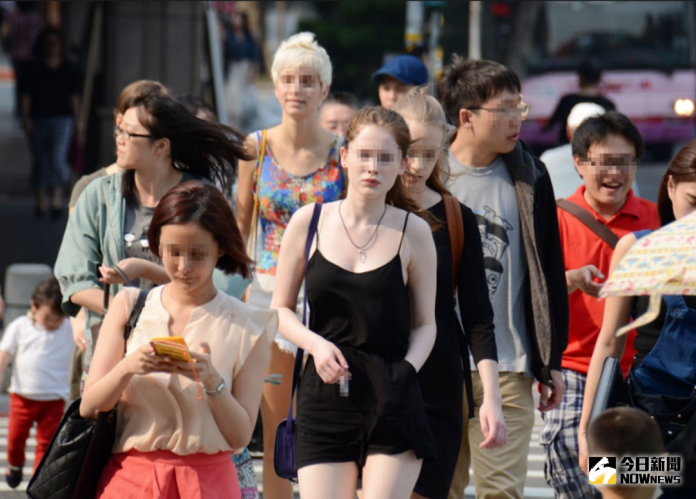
(370, 283)
(445, 379)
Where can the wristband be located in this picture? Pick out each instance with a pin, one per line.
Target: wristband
(217, 391)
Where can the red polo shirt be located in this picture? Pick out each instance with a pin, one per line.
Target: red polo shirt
(583, 247)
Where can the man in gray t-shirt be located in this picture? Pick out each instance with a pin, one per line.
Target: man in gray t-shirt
(490, 194)
(510, 191)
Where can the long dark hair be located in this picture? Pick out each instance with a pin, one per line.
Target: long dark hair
(196, 202)
(202, 148)
(682, 168)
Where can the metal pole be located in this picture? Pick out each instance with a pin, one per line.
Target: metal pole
(281, 7)
(216, 64)
(435, 61)
(92, 56)
(413, 37)
(475, 30)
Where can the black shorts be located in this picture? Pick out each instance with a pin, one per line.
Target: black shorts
(383, 413)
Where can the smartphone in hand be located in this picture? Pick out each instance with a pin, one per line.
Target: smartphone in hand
(171, 346)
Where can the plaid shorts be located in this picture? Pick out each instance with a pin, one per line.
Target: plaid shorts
(559, 437)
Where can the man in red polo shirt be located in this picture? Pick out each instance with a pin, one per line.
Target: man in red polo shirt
(606, 150)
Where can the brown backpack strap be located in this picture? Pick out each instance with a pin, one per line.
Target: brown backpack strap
(455, 227)
(601, 230)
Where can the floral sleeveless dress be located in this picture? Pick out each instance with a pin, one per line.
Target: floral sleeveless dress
(281, 194)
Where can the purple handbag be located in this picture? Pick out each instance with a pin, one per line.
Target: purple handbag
(284, 455)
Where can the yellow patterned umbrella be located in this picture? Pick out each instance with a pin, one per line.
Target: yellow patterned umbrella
(661, 263)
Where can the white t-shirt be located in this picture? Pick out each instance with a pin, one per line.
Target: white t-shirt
(42, 359)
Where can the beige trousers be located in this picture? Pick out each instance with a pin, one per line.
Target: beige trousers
(498, 473)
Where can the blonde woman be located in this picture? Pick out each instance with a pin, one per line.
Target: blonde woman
(294, 163)
(446, 385)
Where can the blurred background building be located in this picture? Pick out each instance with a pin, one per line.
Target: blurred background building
(645, 49)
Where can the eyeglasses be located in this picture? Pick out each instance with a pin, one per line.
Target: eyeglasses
(520, 111)
(610, 161)
(120, 132)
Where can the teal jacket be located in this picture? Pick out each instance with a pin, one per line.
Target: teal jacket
(94, 235)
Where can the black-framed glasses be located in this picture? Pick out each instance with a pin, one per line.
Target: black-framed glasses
(120, 132)
(519, 111)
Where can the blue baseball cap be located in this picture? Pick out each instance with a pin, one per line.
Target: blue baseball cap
(405, 68)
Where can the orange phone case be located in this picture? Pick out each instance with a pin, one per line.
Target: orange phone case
(171, 346)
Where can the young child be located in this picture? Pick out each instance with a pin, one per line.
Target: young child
(625, 431)
(41, 346)
(510, 193)
(606, 150)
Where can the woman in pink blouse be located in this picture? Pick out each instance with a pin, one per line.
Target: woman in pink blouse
(179, 421)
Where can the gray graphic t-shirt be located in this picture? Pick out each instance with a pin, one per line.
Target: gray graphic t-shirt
(490, 193)
(136, 225)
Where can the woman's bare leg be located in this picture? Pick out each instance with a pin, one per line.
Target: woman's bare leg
(331, 480)
(274, 408)
(390, 476)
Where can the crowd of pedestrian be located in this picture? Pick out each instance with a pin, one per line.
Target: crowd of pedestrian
(446, 281)
(47, 102)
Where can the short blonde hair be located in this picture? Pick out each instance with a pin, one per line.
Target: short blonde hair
(302, 50)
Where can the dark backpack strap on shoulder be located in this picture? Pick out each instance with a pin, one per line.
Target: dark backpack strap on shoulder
(601, 230)
(455, 227)
(135, 313)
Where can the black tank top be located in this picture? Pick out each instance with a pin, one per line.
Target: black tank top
(370, 310)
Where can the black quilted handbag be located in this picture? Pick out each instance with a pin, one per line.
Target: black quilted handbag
(80, 448)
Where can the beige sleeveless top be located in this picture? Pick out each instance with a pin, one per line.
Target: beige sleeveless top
(159, 411)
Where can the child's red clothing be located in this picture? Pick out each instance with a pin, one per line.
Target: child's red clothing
(23, 413)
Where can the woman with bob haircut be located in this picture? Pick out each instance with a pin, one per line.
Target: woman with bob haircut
(371, 282)
(446, 386)
(299, 164)
(160, 144)
(178, 421)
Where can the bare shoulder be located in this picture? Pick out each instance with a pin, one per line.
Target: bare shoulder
(123, 302)
(417, 228)
(301, 218)
(625, 244)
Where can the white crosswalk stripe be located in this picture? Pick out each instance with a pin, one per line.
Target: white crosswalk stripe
(31, 446)
(535, 486)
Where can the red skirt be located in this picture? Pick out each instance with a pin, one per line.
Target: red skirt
(165, 475)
